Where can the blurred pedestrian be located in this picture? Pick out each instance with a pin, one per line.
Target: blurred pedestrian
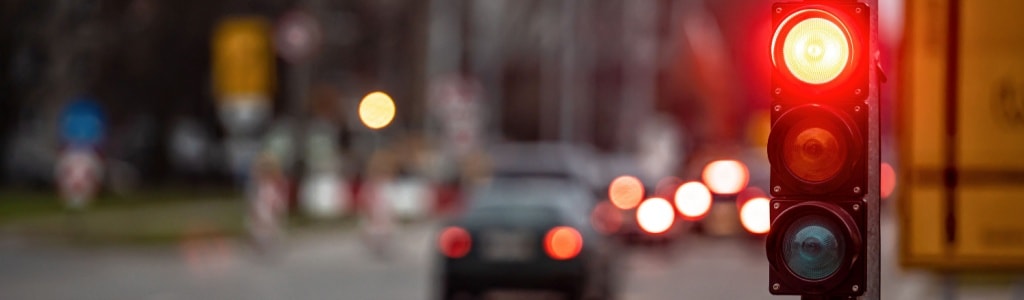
(267, 203)
(377, 220)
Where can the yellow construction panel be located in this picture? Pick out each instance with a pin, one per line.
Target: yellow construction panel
(922, 107)
(990, 136)
(990, 222)
(243, 62)
(991, 113)
(925, 222)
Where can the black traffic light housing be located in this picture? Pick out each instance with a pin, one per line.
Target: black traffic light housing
(818, 148)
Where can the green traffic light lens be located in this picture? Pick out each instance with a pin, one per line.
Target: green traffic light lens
(813, 248)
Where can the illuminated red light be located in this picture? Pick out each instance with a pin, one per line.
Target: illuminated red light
(454, 242)
(812, 46)
(625, 192)
(563, 242)
(693, 200)
(888, 175)
(655, 215)
(754, 215)
(725, 176)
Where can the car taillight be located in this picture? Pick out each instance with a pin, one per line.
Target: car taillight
(693, 200)
(725, 176)
(625, 192)
(563, 243)
(454, 242)
(754, 215)
(655, 215)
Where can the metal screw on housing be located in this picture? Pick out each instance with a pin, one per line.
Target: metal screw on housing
(856, 189)
(856, 207)
(776, 189)
(775, 206)
(776, 286)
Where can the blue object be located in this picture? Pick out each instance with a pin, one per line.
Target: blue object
(82, 123)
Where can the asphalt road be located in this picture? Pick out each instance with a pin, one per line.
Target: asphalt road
(337, 265)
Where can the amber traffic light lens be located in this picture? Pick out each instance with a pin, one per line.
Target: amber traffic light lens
(815, 48)
(813, 151)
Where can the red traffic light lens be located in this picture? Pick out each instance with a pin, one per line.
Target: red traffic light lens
(813, 152)
(816, 49)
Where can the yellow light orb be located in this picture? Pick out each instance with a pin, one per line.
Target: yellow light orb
(816, 50)
(376, 110)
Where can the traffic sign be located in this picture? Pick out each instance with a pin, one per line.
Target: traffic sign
(297, 36)
(961, 136)
(242, 58)
(82, 123)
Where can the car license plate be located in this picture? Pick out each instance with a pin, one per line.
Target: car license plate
(507, 246)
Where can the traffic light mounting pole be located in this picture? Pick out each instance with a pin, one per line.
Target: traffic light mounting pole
(874, 270)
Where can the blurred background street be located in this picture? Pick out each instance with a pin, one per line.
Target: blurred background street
(499, 149)
(330, 264)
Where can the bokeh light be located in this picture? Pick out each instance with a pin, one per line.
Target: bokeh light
(693, 200)
(888, 175)
(626, 191)
(454, 242)
(376, 110)
(754, 215)
(563, 243)
(725, 176)
(655, 215)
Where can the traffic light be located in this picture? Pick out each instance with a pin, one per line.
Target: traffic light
(818, 148)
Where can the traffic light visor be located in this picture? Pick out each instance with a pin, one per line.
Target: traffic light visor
(813, 247)
(816, 48)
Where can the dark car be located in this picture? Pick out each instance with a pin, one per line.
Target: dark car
(525, 233)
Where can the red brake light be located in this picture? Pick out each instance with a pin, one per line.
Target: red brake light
(725, 176)
(454, 242)
(563, 243)
(625, 192)
(693, 200)
(655, 215)
(888, 175)
(754, 215)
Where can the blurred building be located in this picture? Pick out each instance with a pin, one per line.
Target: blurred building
(591, 72)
